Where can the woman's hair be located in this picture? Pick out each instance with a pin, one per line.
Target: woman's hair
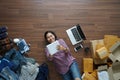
(45, 36)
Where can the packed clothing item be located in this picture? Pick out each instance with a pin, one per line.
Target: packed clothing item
(8, 74)
(3, 29)
(6, 43)
(3, 32)
(22, 45)
(10, 64)
(29, 72)
(7, 46)
(3, 35)
(15, 66)
(43, 72)
(4, 63)
(16, 57)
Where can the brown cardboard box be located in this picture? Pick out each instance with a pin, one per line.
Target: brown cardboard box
(102, 67)
(109, 40)
(94, 74)
(88, 64)
(102, 53)
(99, 61)
(99, 45)
(88, 76)
(115, 52)
(94, 44)
(114, 71)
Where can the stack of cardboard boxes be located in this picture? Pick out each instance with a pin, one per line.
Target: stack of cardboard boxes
(104, 50)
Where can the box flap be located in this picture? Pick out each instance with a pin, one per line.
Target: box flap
(99, 61)
(117, 44)
(115, 49)
(112, 57)
(102, 68)
(114, 71)
(93, 46)
(110, 73)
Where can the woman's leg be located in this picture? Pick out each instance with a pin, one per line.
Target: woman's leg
(67, 76)
(75, 71)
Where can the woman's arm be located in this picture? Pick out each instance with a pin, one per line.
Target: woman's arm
(60, 47)
(65, 47)
(48, 55)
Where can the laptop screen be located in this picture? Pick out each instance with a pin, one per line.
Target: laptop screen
(81, 32)
(75, 34)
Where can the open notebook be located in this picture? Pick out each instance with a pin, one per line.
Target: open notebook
(52, 48)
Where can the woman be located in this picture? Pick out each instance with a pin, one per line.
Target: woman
(63, 60)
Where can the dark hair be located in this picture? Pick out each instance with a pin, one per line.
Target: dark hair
(45, 36)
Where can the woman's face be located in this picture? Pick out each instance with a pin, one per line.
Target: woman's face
(50, 37)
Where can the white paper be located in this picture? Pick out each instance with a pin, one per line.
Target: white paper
(52, 48)
(103, 75)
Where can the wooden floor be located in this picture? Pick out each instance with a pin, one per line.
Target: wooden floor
(29, 19)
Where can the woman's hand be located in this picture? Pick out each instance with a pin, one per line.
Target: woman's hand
(60, 47)
(51, 56)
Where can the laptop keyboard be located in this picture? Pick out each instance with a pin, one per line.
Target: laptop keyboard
(75, 34)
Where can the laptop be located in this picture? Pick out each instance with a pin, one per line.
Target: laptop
(75, 34)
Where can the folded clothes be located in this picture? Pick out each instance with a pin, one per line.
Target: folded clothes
(3, 35)
(5, 41)
(3, 29)
(7, 46)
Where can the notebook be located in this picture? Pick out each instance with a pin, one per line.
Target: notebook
(75, 34)
(52, 48)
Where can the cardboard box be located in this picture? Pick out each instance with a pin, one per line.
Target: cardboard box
(94, 74)
(96, 59)
(102, 53)
(114, 71)
(88, 64)
(94, 43)
(115, 52)
(99, 61)
(109, 40)
(102, 68)
(87, 76)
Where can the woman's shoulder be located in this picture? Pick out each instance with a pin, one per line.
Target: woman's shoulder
(60, 40)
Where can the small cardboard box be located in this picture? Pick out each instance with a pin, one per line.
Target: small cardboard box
(109, 40)
(102, 53)
(94, 43)
(99, 61)
(88, 64)
(114, 71)
(88, 76)
(115, 52)
(96, 59)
